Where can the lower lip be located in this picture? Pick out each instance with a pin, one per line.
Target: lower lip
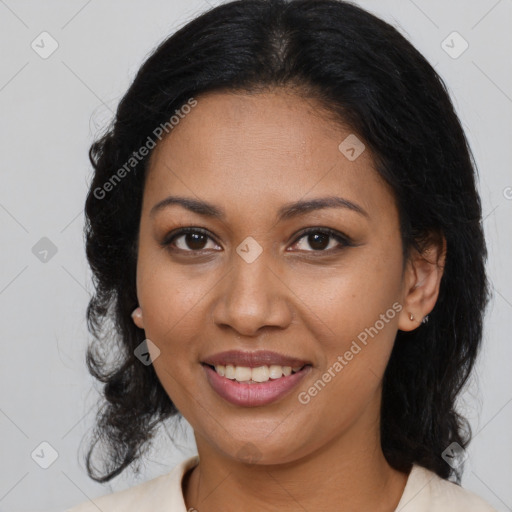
(252, 395)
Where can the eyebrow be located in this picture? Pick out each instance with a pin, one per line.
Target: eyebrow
(287, 211)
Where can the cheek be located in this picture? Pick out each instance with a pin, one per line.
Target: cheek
(174, 320)
(345, 300)
(354, 321)
(170, 294)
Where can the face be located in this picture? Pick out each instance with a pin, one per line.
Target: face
(324, 286)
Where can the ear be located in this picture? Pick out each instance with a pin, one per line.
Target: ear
(422, 279)
(137, 317)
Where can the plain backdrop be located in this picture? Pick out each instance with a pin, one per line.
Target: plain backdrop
(51, 110)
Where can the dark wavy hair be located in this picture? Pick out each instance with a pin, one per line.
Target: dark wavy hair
(370, 78)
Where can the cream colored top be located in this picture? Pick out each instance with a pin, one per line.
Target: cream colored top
(424, 492)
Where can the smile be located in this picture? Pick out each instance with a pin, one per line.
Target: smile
(251, 387)
(253, 375)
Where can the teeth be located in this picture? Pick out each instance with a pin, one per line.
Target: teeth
(242, 373)
(230, 371)
(259, 374)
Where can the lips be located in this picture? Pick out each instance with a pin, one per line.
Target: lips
(244, 394)
(253, 359)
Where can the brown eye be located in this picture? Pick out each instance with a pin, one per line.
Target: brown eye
(195, 241)
(188, 240)
(320, 239)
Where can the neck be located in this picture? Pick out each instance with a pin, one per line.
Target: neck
(349, 473)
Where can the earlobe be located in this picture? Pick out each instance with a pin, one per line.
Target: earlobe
(423, 278)
(137, 317)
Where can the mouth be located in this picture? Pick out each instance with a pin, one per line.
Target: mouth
(257, 375)
(254, 387)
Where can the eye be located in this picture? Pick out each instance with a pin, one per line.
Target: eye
(188, 239)
(191, 239)
(319, 240)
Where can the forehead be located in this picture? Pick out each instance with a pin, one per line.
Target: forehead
(246, 150)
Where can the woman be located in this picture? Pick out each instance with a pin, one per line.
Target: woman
(280, 224)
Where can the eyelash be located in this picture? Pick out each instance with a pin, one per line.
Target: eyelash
(344, 240)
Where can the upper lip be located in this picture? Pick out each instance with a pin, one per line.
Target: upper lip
(253, 359)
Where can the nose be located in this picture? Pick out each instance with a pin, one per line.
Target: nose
(251, 298)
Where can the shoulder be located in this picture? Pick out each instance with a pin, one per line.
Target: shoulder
(426, 491)
(160, 494)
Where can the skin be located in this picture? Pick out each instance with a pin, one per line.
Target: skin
(250, 154)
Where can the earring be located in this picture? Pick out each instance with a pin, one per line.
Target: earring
(425, 320)
(137, 313)
(411, 317)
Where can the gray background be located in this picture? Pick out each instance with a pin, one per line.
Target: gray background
(51, 109)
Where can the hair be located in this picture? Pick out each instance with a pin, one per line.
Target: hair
(370, 78)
